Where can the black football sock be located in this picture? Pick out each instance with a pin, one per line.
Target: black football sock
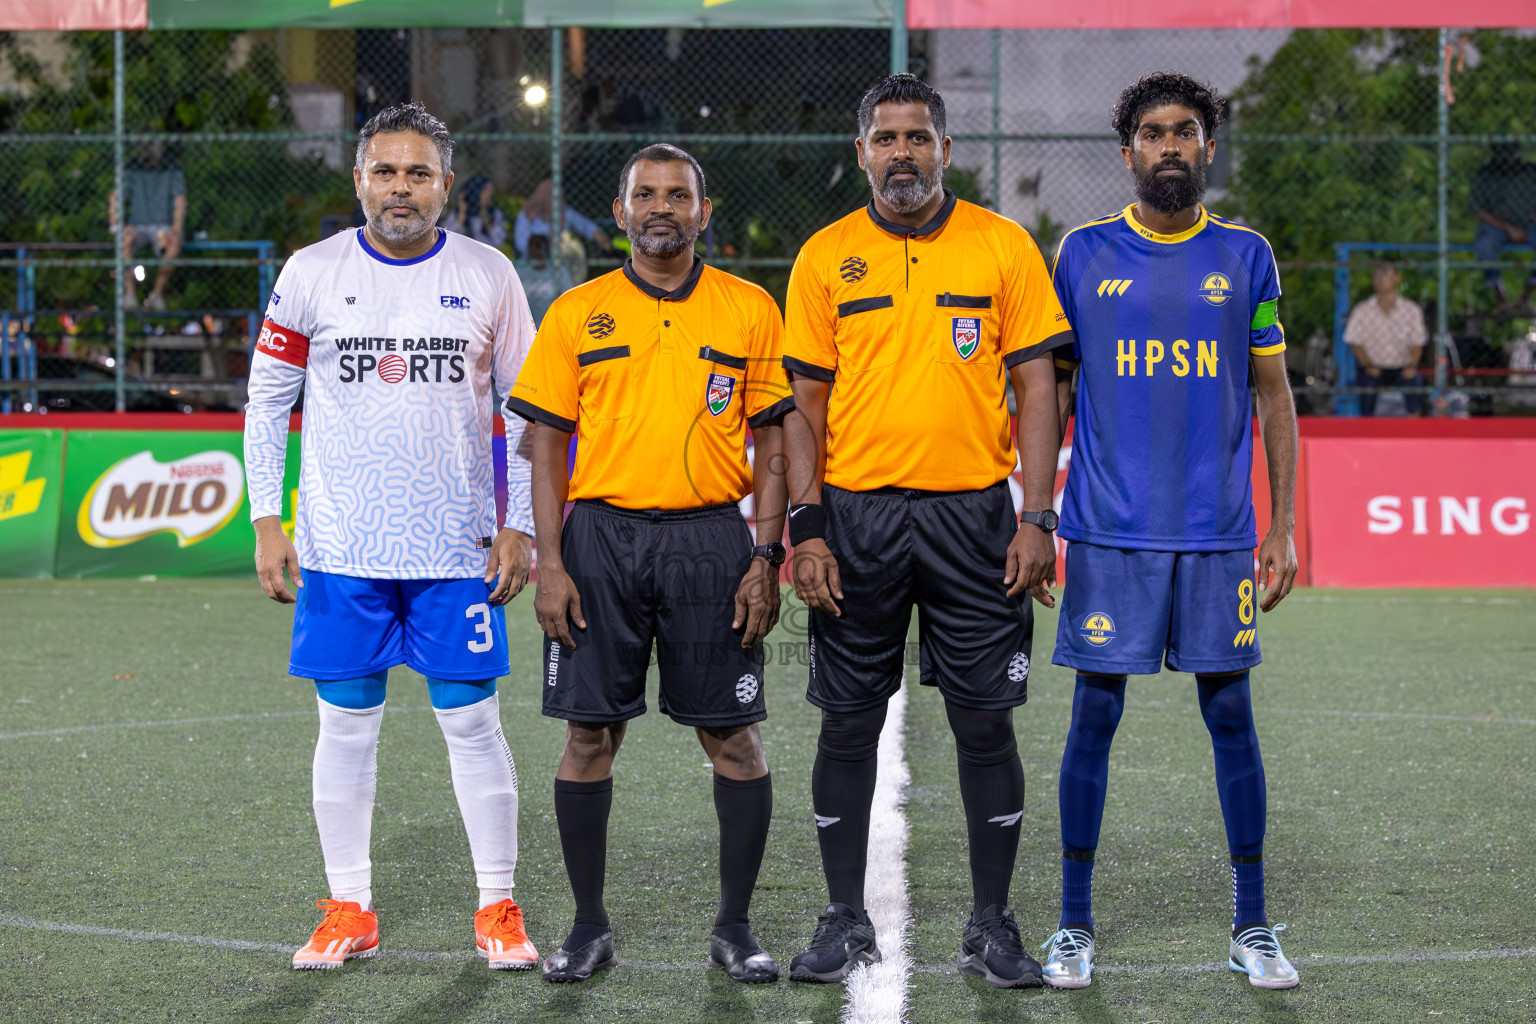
(992, 788)
(581, 811)
(842, 790)
(744, 809)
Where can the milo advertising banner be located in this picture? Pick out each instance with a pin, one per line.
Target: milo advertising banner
(166, 503)
(31, 478)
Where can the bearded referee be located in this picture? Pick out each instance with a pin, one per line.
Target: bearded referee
(905, 324)
(1179, 344)
(658, 369)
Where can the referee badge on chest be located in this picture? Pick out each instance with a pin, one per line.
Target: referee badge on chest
(967, 335)
(718, 394)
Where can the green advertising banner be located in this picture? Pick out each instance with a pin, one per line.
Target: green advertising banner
(158, 503)
(31, 478)
(497, 13)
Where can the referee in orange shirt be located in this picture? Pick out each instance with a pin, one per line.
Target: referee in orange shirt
(659, 368)
(905, 323)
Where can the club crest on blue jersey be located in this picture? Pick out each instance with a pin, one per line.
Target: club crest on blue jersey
(967, 335)
(718, 394)
(1098, 629)
(1216, 289)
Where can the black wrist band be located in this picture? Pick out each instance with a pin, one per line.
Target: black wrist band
(807, 522)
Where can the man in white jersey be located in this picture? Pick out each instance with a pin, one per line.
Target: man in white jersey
(399, 334)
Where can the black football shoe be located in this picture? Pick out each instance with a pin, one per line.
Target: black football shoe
(745, 962)
(580, 964)
(844, 939)
(990, 948)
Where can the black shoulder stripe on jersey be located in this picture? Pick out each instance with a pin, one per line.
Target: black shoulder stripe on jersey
(1058, 340)
(964, 301)
(810, 370)
(714, 355)
(533, 414)
(853, 306)
(778, 410)
(598, 355)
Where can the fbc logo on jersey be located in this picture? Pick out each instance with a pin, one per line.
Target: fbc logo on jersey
(455, 301)
(427, 360)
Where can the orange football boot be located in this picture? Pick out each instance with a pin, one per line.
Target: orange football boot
(348, 932)
(500, 938)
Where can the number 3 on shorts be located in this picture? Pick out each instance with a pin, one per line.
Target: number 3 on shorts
(483, 627)
(1244, 604)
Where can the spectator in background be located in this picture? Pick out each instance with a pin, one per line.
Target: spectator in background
(475, 216)
(156, 197)
(1504, 201)
(1387, 334)
(533, 221)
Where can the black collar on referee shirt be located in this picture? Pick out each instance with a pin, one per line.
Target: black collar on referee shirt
(939, 219)
(677, 294)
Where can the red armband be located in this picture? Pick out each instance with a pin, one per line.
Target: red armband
(281, 343)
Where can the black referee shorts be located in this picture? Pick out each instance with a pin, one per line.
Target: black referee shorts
(946, 552)
(664, 577)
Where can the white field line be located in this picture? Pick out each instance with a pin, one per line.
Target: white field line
(1128, 970)
(877, 993)
(70, 730)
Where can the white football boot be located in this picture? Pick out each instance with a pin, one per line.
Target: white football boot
(1256, 952)
(1069, 958)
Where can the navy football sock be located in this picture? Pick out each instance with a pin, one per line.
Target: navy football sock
(1247, 892)
(1076, 889)
(1097, 704)
(1227, 707)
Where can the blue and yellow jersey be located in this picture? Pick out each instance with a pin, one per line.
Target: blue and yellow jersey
(1166, 324)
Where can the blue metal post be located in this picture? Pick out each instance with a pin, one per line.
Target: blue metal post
(1343, 357)
(898, 37)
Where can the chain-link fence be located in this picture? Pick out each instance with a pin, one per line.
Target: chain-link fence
(235, 149)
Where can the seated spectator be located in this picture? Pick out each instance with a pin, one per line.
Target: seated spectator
(156, 196)
(533, 221)
(1504, 201)
(1387, 334)
(475, 216)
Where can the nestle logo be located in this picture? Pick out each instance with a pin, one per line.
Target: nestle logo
(455, 302)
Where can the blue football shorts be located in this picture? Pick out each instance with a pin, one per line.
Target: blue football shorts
(347, 627)
(1127, 612)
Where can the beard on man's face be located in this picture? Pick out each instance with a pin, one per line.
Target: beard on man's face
(403, 231)
(662, 247)
(907, 195)
(1168, 194)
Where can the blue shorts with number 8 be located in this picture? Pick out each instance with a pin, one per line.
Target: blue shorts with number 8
(1122, 610)
(347, 627)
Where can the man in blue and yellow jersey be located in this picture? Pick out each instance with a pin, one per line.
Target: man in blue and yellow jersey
(905, 324)
(659, 368)
(1176, 319)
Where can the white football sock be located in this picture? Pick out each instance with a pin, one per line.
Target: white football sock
(492, 896)
(345, 777)
(485, 782)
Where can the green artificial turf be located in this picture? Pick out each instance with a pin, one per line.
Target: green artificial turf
(154, 786)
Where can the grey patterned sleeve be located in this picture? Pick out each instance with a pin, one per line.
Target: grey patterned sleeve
(273, 388)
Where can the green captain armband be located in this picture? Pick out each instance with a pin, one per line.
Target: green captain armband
(1267, 315)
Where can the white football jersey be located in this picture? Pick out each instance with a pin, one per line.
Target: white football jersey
(401, 362)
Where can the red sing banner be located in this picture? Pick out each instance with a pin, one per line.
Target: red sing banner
(1421, 512)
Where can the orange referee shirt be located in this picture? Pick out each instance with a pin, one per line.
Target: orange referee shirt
(658, 386)
(915, 329)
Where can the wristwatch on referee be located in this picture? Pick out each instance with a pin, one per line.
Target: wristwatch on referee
(1046, 520)
(774, 552)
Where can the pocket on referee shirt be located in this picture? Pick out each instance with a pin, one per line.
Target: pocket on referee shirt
(968, 329)
(606, 382)
(865, 326)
